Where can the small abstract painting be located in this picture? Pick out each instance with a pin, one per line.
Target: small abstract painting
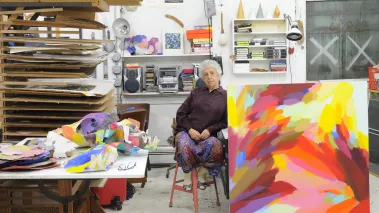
(299, 148)
(172, 41)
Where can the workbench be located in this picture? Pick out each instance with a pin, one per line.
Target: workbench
(69, 192)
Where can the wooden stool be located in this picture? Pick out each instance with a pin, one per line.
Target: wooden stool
(194, 188)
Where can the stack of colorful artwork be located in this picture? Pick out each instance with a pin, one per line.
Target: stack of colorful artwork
(21, 157)
(299, 148)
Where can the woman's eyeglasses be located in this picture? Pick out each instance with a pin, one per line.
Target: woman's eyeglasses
(124, 167)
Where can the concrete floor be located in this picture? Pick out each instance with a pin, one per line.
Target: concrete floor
(155, 197)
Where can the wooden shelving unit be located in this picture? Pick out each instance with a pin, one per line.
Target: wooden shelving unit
(271, 29)
(30, 107)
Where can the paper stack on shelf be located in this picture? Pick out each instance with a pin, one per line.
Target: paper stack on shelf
(187, 80)
(278, 66)
(256, 55)
(46, 81)
(258, 41)
(242, 66)
(201, 46)
(201, 39)
(277, 53)
(277, 43)
(243, 28)
(242, 43)
(242, 53)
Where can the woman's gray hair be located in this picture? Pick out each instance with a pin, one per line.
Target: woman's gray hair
(209, 64)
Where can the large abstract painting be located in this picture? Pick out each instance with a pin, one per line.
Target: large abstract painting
(299, 148)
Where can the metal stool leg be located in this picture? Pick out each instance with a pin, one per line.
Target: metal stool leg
(173, 185)
(215, 183)
(194, 190)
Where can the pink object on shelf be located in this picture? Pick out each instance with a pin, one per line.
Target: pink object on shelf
(188, 70)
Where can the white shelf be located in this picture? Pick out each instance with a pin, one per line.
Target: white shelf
(156, 94)
(161, 56)
(259, 46)
(264, 59)
(260, 73)
(261, 19)
(268, 28)
(262, 33)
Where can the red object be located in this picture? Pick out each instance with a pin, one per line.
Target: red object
(372, 82)
(198, 34)
(113, 188)
(188, 70)
(291, 50)
(194, 188)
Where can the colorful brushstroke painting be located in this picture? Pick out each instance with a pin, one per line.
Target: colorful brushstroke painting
(299, 148)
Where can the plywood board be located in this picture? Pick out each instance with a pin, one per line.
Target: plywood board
(51, 47)
(69, 100)
(74, 23)
(38, 32)
(41, 116)
(44, 75)
(70, 14)
(12, 91)
(86, 5)
(31, 11)
(52, 125)
(61, 107)
(47, 66)
(57, 59)
(52, 40)
(26, 133)
(86, 87)
(21, 83)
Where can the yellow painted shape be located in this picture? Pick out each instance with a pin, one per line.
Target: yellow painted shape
(232, 113)
(280, 162)
(327, 119)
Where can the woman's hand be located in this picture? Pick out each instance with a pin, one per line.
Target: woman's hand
(205, 134)
(194, 134)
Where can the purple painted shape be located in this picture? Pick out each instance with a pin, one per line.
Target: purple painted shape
(255, 205)
(290, 101)
(293, 98)
(248, 194)
(272, 128)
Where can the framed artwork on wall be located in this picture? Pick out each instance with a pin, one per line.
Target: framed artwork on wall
(173, 42)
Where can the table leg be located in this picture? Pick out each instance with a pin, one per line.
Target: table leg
(65, 189)
(65, 196)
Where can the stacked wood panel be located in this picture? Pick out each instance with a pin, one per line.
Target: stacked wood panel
(45, 81)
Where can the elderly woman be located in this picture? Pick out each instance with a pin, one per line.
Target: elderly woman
(199, 118)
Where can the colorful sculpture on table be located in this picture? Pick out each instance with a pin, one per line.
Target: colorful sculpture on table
(299, 148)
(104, 128)
(98, 158)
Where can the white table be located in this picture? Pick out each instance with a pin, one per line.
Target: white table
(67, 192)
(60, 173)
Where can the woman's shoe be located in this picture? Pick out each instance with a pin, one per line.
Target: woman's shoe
(201, 186)
(187, 188)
